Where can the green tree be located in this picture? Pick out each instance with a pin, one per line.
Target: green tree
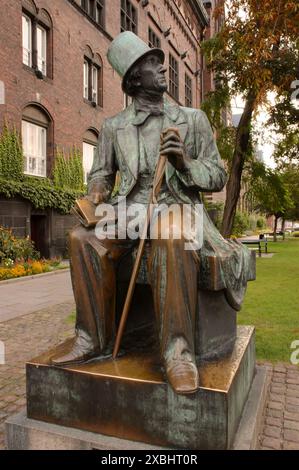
(270, 194)
(256, 51)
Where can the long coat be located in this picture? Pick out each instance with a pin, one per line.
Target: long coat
(224, 264)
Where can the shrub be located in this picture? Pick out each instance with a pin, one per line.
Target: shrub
(296, 234)
(241, 224)
(261, 223)
(13, 248)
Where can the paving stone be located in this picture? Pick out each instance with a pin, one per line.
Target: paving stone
(291, 435)
(26, 337)
(272, 431)
(280, 368)
(293, 380)
(287, 445)
(274, 413)
(280, 380)
(292, 387)
(291, 416)
(292, 408)
(292, 400)
(273, 421)
(272, 443)
(278, 388)
(291, 425)
(292, 393)
(277, 397)
(275, 405)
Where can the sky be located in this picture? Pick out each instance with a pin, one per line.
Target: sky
(266, 138)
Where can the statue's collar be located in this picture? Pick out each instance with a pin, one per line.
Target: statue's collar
(139, 115)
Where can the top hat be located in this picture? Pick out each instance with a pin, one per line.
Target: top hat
(126, 50)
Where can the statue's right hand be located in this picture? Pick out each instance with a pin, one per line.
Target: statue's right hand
(94, 197)
(97, 193)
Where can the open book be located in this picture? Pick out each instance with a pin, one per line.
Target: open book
(85, 210)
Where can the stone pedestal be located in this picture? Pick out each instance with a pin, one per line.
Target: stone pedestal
(130, 399)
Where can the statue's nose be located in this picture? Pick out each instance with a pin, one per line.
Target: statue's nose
(162, 69)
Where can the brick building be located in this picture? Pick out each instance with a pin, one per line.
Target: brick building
(57, 86)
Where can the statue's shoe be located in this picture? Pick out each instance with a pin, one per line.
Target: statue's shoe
(77, 355)
(182, 375)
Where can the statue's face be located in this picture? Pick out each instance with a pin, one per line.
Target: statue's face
(152, 74)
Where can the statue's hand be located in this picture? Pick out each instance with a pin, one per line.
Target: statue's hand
(97, 193)
(173, 148)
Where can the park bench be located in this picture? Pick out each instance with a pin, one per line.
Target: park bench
(259, 242)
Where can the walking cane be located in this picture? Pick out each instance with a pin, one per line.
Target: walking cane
(159, 173)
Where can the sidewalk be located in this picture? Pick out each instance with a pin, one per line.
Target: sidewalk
(24, 338)
(22, 297)
(280, 430)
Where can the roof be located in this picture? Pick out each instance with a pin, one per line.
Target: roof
(200, 12)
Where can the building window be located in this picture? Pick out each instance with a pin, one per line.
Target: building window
(90, 140)
(92, 82)
(37, 40)
(128, 14)
(188, 91)
(41, 49)
(153, 39)
(173, 77)
(34, 138)
(27, 40)
(89, 151)
(37, 141)
(86, 80)
(95, 9)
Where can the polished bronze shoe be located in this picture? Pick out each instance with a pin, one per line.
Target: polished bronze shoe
(75, 356)
(82, 350)
(182, 375)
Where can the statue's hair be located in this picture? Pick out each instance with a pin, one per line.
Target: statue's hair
(130, 86)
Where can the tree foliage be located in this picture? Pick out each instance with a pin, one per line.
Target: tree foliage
(255, 52)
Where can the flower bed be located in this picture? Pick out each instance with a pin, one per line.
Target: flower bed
(11, 270)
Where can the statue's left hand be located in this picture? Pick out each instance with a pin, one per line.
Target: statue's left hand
(173, 148)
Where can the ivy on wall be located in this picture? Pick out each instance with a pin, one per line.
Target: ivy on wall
(11, 154)
(59, 194)
(40, 192)
(68, 170)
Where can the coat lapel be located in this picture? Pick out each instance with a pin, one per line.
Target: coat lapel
(127, 139)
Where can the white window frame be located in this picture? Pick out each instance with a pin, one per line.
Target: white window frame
(85, 79)
(88, 157)
(41, 46)
(27, 41)
(34, 139)
(94, 84)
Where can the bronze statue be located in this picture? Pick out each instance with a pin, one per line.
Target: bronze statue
(130, 143)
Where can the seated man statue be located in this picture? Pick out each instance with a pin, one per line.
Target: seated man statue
(130, 143)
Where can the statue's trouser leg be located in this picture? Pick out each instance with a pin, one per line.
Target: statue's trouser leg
(93, 266)
(173, 273)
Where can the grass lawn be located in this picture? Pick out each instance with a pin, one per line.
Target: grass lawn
(272, 302)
